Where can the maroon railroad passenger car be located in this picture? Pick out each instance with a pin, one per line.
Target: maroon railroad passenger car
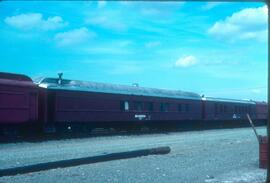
(18, 101)
(77, 104)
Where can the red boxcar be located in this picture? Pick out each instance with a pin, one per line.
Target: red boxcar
(18, 100)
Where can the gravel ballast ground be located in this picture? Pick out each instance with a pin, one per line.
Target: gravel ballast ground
(229, 155)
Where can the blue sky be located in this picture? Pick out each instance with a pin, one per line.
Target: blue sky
(216, 49)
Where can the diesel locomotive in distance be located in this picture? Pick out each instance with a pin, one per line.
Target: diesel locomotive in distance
(61, 105)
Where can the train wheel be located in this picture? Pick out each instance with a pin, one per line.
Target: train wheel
(64, 130)
(10, 132)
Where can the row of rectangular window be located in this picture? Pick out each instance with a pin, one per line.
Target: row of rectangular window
(183, 107)
(149, 106)
(221, 108)
(242, 109)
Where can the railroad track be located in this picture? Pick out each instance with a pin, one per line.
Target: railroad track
(97, 132)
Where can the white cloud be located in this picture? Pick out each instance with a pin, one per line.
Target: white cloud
(125, 68)
(152, 44)
(151, 11)
(101, 3)
(110, 22)
(74, 36)
(35, 21)
(249, 23)
(123, 43)
(113, 47)
(257, 91)
(160, 12)
(211, 5)
(186, 61)
(108, 50)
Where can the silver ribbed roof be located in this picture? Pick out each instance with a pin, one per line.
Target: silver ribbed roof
(52, 83)
(228, 100)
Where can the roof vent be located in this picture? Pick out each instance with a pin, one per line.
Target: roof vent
(60, 78)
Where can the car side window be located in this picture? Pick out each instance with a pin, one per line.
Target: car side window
(124, 105)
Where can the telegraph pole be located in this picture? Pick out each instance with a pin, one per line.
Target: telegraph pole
(268, 99)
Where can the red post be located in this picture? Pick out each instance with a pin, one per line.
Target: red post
(263, 153)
